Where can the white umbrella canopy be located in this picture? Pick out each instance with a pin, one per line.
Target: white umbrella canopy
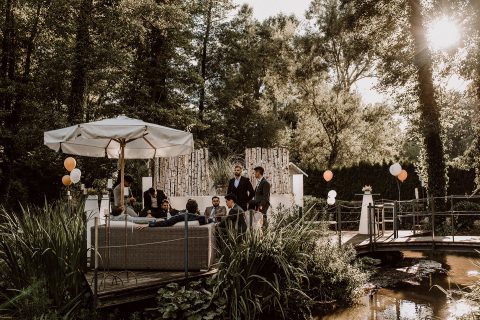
(120, 138)
(104, 138)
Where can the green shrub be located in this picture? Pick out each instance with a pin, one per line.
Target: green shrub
(194, 301)
(333, 276)
(42, 256)
(470, 212)
(282, 272)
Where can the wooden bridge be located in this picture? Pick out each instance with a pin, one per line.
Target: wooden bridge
(409, 225)
(407, 241)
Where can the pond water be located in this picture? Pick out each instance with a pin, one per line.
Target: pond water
(419, 299)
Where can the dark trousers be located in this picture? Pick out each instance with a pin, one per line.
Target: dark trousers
(243, 205)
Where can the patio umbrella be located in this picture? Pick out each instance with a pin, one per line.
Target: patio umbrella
(120, 138)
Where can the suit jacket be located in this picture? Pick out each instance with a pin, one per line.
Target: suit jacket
(262, 193)
(235, 219)
(147, 199)
(244, 192)
(177, 218)
(220, 211)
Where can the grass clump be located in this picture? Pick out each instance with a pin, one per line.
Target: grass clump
(42, 257)
(283, 272)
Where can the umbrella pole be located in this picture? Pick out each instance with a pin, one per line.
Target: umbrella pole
(122, 172)
(122, 178)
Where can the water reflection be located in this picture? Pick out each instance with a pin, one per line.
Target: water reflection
(420, 300)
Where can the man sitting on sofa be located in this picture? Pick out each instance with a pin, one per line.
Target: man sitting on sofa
(191, 212)
(236, 215)
(216, 211)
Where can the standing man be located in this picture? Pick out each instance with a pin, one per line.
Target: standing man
(216, 211)
(241, 187)
(128, 205)
(261, 201)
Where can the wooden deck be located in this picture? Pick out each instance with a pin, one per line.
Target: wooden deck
(408, 241)
(115, 289)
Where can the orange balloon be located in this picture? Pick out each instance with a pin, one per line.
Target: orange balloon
(328, 175)
(403, 175)
(70, 163)
(66, 180)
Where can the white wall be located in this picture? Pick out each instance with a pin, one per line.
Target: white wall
(276, 200)
(297, 189)
(91, 211)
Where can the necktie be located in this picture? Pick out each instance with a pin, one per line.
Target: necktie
(212, 213)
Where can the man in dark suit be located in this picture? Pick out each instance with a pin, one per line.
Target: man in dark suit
(152, 201)
(236, 216)
(216, 211)
(261, 201)
(190, 211)
(241, 187)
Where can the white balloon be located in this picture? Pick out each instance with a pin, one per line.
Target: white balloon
(395, 169)
(331, 201)
(332, 194)
(75, 175)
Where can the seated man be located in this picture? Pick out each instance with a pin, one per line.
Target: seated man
(152, 200)
(166, 211)
(236, 215)
(127, 206)
(216, 211)
(191, 213)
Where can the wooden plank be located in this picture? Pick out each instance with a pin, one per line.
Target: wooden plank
(143, 286)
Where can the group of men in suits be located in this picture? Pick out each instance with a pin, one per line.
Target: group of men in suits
(242, 196)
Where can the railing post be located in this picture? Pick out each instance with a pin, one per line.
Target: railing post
(432, 202)
(414, 220)
(451, 217)
(371, 227)
(395, 222)
(185, 244)
(339, 225)
(95, 270)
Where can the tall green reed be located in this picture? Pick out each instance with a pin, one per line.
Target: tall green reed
(283, 271)
(42, 257)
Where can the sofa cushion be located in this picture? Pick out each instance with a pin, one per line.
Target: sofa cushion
(160, 248)
(190, 223)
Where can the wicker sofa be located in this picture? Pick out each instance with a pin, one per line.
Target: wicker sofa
(160, 248)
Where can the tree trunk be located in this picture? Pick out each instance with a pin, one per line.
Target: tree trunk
(7, 114)
(159, 67)
(203, 62)
(80, 64)
(31, 43)
(429, 110)
(7, 65)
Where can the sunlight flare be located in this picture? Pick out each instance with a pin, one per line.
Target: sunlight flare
(443, 33)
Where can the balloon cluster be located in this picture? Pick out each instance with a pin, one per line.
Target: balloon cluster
(397, 171)
(332, 194)
(75, 174)
(328, 175)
